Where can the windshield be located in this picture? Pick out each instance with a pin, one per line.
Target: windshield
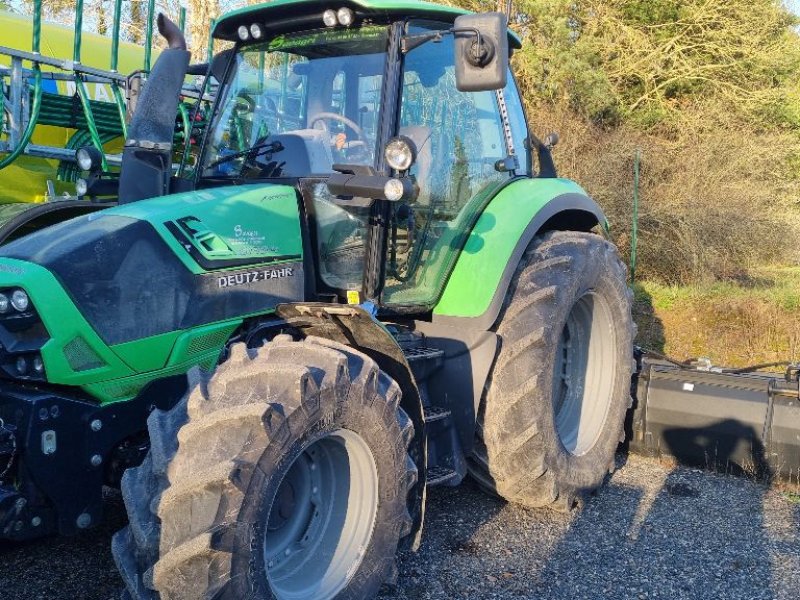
(298, 104)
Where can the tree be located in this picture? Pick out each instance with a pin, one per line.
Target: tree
(102, 26)
(201, 14)
(648, 61)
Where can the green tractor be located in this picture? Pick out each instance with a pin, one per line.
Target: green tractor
(361, 287)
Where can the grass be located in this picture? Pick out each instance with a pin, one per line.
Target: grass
(755, 319)
(793, 497)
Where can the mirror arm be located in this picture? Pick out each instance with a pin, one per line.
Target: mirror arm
(409, 42)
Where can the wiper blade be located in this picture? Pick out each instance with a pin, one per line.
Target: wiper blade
(252, 152)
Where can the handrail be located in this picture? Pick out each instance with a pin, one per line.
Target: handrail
(65, 65)
(76, 47)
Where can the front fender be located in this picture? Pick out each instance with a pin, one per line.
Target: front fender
(353, 326)
(476, 289)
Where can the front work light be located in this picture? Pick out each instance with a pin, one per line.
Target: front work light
(88, 158)
(81, 187)
(256, 31)
(329, 18)
(345, 17)
(244, 33)
(400, 153)
(393, 190)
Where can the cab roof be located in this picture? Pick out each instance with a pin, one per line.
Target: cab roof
(283, 16)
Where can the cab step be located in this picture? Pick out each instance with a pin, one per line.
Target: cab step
(423, 361)
(436, 413)
(422, 353)
(441, 476)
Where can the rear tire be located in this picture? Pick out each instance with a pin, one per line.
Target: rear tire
(554, 410)
(285, 474)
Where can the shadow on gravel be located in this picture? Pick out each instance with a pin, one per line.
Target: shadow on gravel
(697, 535)
(650, 533)
(69, 568)
(453, 519)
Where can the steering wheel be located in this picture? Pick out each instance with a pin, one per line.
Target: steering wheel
(337, 117)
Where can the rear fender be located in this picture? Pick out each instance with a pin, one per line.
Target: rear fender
(476, 289)
(463, 320)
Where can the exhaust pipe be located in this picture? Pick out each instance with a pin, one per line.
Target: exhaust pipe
(147, 156)
(171, 32)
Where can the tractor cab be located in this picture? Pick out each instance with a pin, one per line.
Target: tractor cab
(394, 140)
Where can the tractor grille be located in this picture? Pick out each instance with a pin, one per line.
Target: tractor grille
(207, 342)
(81, 357)
(122, 389)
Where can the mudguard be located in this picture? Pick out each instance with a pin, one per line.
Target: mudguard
(474, 293)
(353, 326)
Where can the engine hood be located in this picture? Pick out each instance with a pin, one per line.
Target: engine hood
(135, 284)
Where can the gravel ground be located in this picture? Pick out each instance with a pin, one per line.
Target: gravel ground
(652, 532)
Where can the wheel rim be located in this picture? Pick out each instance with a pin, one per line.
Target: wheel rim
(583, 386)
(321, 519)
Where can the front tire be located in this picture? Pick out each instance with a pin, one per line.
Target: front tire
(554, 410)
(284, 475)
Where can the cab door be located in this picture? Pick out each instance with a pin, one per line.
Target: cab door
(461, 144)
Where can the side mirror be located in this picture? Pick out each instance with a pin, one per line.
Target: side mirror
(481, 52)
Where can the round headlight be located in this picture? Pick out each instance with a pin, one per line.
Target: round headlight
(81, 187)
(22, 365)
(244, 33)
(20, 300)
(4, 303)
(88, 158)
(84, 159)
(256, 31)
(345, 17)
(393, 190)
(38, 365)
(400, 153)
(329, 18)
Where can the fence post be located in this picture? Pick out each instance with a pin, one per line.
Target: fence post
(637, 158)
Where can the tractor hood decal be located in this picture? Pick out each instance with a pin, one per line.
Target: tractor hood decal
(225, 227)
